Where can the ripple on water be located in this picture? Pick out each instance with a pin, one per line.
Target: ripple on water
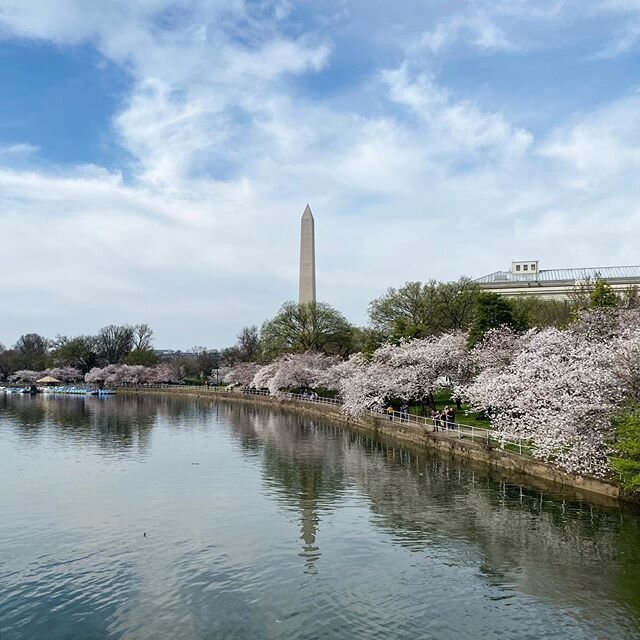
(286, 528)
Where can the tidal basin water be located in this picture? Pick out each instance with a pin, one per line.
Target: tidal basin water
(261, 524)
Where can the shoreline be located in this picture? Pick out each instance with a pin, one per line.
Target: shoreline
(509, 462)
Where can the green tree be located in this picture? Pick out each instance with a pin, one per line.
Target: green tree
(32, 351)
(492, 311)
(419, 309)
(144, 357)
(367, 340)
(629, 298)
(626, 459)
(80, 352)
(456, 302)
(603, 296)
(537, 312)
(314, 326)
(401, 309)
(8, 362)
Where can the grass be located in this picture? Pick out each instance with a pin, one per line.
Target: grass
(629, 471)
(626, 460)
(442, 399)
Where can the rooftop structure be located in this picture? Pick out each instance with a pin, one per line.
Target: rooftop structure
(526, 279)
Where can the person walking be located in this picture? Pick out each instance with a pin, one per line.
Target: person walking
(435, 420)
(390, 411)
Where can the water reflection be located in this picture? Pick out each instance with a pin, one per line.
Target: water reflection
(266, 524)
(547, 544)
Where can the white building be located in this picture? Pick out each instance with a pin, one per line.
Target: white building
(527, 279)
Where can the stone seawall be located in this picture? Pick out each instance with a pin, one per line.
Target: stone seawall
(513, 463)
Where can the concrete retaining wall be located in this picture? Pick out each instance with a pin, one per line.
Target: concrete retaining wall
(513, 463)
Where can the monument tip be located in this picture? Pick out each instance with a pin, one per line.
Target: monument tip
(307, 212)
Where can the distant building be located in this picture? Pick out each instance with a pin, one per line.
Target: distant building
(172, 354)
(527, 279)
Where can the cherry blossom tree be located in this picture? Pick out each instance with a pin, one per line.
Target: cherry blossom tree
(498, 348)
(559, 393)
(364, 384)
(241, 373)
(66, 374)
(164, 374)
(303, 370)
(264, 375)
(409, 371)
(104, 375)
(124, 374)
(26, 375)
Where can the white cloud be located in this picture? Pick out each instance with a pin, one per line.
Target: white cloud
(456, 126)
(476, 29)
(17, 152)
(411, 180)
(600, 148)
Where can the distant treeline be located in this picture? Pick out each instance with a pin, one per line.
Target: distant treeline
(415, 310)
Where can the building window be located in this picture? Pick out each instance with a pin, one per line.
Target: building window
(533, 267)
(517, 267)
(525, 267)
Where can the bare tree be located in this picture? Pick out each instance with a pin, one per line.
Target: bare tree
(115, 342)
(142, 337)
(206, 359)
(249, 344)
(419, 309)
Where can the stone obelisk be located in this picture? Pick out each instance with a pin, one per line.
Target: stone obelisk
(307, 258)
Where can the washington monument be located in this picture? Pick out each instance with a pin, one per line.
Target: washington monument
(307, 258)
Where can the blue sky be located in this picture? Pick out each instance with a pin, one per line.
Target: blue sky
(155, 156)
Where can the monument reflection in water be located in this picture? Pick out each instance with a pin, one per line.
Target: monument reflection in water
(267, 525)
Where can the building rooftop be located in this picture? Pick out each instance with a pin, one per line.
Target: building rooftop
(562, 275)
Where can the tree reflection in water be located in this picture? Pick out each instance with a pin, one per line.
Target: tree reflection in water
(549, 544)
(538, 540)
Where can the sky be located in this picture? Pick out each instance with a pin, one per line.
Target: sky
(156, 155)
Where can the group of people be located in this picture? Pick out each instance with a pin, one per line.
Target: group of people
(441, 420)
(444, 419)
(404, 412)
